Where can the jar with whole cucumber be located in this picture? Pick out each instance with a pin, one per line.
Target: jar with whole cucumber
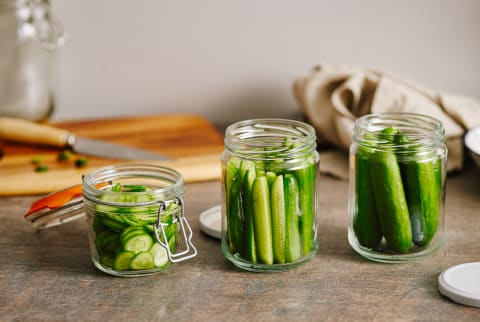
(135, 218)
(269, 187)
(397, 187)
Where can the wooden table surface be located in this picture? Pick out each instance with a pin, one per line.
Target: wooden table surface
(48, 275)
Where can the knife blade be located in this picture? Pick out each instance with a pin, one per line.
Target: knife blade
(23, 131)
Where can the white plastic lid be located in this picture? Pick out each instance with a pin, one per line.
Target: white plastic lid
(211, 222)
(461, 284)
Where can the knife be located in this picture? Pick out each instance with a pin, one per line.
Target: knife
(18, 130)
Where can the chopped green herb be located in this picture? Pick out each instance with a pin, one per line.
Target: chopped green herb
(37, 159)
(41, 168)
(117, 187)
(81, 162)
(64, 155)
(133, 188)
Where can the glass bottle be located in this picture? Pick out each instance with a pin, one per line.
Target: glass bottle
(397, 187)
(269, 190)
(28, 39)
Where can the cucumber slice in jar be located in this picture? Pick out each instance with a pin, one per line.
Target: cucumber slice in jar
(122, 261)
(138, 243)
(130, 233)
(160, 257)
(143, 260)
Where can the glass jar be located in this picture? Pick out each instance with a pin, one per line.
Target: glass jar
(135, 215)
(28, 39)
(397, 187)
(269, 194)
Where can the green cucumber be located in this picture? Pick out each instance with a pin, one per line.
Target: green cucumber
(234, 206)
(125, 234)
(277, 204)
(128, 234)
(390, 197)
(293, 247)
(271, 176)
(172, 242)
(250, 249)
(122, 261)
(365, 221)
(106, 242)
(107, 261)
(306, 183)
(113, 224)
(262, 220)
(160, 257)
(142, 260)
(138, 243)
(421, 179)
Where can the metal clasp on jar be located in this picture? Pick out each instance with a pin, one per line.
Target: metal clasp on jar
(190, 250)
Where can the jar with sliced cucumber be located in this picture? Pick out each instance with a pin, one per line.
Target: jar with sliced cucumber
(269, 188)
(136, 216)
(397, 187)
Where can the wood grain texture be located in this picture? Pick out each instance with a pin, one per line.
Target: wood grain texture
(191, 141)
(48, 275)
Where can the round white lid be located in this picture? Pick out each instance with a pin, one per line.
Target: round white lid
(211, 221)
(461, 283)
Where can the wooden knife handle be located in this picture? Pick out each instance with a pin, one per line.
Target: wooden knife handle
(18, 130)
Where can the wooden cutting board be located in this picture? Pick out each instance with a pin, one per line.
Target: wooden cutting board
(191, 141)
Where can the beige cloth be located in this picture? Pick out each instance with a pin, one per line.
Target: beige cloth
(334, 96)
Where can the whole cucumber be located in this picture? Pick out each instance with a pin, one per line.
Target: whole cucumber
(365, 221)
(390, 198)
(422, 184)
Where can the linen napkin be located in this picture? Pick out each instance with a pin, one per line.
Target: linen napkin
(333, 96)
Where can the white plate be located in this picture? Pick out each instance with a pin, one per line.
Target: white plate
(211, 221)
(461, 283)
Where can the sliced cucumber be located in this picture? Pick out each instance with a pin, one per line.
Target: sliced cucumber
(124, 237)
(250, 249)
(293, 245)
(160, 257)
(277, 203)
(112, 224)
(138, 243)
(122, 261)
(262, 220)
(107, 261)
(143, 260)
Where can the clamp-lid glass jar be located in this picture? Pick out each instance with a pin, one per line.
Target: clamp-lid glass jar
(269, 189)
(397, 187)
(135, 217)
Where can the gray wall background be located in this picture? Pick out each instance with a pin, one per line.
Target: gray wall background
(232, 60)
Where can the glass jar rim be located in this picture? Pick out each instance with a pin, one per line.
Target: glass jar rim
(173, 179)
(259, 138)
(422, 130)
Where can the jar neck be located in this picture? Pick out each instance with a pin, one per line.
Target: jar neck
(270, 139)
(165, 183)
(408, 130)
